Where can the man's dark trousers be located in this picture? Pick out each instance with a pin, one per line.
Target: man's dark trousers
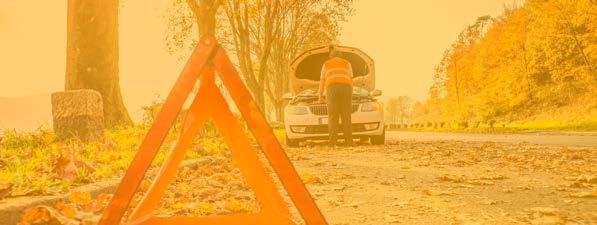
(339, 101)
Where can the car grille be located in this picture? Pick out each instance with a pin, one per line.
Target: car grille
(323, 129)
(323, 109)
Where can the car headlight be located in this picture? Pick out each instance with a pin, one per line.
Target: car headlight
(298, 129)
(371, 126)
(370, 107)
(297, 110)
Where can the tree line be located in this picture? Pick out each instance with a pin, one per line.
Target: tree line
(535, 59)
(263, 36)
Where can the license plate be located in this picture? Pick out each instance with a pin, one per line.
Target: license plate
(323, 120)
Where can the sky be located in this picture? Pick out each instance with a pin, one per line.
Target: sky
(405, 38)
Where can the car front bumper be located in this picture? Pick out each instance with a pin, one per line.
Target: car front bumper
(310, 126)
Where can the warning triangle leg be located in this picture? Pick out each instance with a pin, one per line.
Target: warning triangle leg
(267, 140)
(246, 158)
(192, 123)
(163, 122)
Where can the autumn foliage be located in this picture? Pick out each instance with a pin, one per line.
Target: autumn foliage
(534, 62)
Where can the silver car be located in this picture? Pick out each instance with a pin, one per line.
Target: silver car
(307, 119)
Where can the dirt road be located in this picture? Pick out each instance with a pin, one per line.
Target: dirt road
(453, 182)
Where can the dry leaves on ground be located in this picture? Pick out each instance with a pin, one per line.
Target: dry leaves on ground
(211, 186)
(80, 209)
(67, 166)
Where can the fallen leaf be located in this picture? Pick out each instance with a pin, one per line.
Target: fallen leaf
(310, 179)
(88, 218)
(399, 204)
(547, 220)
(236, 206)
(490, 202)
(482, 182)
(545, 210)
(507, 190)
(5, 189)
(585, 194)
(101, 201)
(67, 165)
(356, 204)
(587, 178)
(44, 215)
(144, 186)
(66, 210)
(452, 178)
(134, 202)
(80, 198)
(390, 218)
(568, 201)
(64, 168)
(204, 208)
(435, 193)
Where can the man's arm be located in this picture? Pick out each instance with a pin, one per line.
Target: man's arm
(321, 84)
(350, 70)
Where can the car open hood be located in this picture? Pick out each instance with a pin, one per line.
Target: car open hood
(306, 68)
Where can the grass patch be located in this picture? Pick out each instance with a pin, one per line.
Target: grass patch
(574, 125)
(575, 117)
(518, 126)
(29, 160)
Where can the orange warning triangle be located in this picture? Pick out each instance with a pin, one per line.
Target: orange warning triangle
(209, 103)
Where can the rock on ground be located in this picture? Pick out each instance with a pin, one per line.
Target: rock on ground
(78, 114)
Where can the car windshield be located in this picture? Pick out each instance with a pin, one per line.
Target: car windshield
(356, 92)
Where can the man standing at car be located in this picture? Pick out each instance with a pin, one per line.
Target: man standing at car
(336, 81)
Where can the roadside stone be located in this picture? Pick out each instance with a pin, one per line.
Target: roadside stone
(78, 114)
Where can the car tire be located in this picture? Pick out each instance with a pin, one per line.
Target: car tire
(292, 143)
(379, 139)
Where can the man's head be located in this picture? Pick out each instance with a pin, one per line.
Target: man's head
(334, 53)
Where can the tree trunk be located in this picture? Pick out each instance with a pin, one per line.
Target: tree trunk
(92, 55)
(205, 15)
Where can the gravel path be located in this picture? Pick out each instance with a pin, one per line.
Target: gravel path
(452, 182)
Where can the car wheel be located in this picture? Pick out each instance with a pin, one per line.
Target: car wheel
(292, 143)
(379, 139)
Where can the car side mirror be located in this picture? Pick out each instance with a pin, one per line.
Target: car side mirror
(376, 93)
(287, 96)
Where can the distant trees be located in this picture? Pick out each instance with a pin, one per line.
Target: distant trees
(536, 57)
(92, 55)
(305, 25)
(398, 110)
(264, 36)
